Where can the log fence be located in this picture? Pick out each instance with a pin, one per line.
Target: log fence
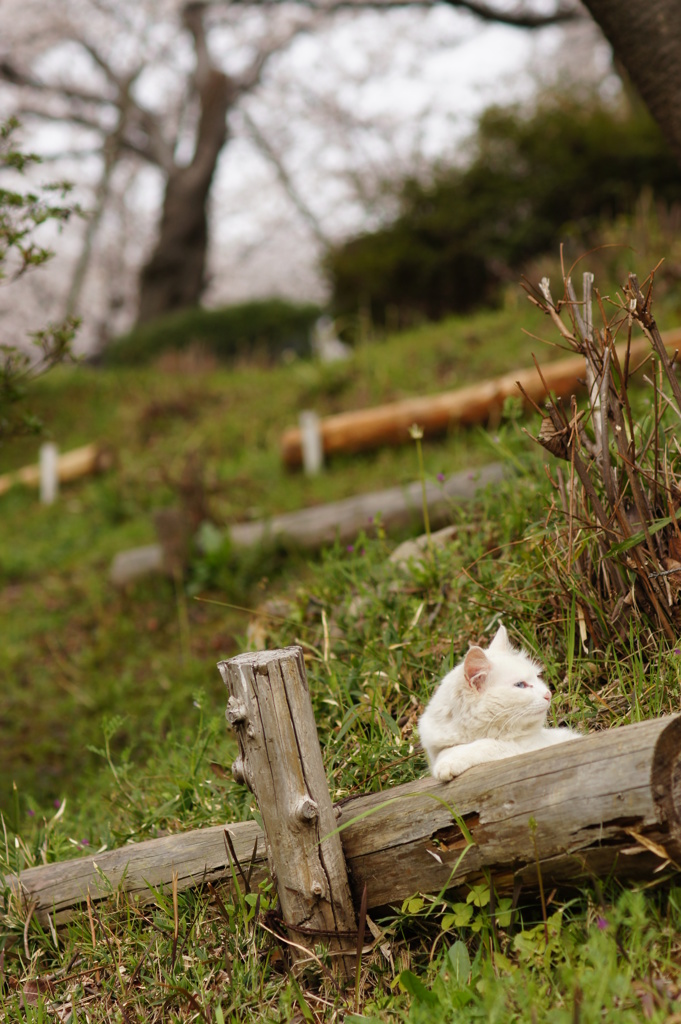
(363, 429)
(607, 804)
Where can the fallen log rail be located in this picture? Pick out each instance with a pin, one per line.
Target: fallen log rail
(606, 804)
(343, 520)
(389, 424)
(310, 528)
(91, 458)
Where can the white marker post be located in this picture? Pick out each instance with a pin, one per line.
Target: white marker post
(49, 476)
(311, 441)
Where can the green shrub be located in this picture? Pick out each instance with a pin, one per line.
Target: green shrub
(271, 326)
(21, 215)
(531, 182)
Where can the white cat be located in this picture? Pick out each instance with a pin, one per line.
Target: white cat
(491, 706)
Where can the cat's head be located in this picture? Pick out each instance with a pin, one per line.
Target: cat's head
(505, 686)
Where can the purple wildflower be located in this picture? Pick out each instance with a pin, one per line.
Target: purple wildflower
(601, 924)
(30, 813)
(350, 548)
(441, 477)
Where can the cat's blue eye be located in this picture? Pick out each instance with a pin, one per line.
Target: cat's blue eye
(521, 685)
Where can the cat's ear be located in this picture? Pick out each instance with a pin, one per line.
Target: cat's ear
(501, 644)
(476, 668)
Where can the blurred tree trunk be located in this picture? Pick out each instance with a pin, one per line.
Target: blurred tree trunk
(646, 38)
(174, 276)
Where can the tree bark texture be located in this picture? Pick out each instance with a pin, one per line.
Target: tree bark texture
(608, 804)
(174, 277)
(646, 38)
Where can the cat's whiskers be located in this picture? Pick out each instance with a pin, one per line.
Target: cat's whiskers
(509, 715)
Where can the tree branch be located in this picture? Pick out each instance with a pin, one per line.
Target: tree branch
(192, 17)
(70, 117)
(565, 10)
(14, 76)
(250, 78)
(158, 151)
(155, 149)
(285, 178)
(216, 95)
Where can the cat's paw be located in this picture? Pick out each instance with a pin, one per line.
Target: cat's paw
(448, 766)
(559, 735)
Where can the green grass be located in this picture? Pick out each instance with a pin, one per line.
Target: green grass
(603, 961)
(107, 707)
(74, 649)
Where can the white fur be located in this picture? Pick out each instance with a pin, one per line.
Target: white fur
(479, 714)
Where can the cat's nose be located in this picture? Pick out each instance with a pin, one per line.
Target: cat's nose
(547, 696)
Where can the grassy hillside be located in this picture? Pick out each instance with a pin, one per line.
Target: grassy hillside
(112, 724)
(74, 649)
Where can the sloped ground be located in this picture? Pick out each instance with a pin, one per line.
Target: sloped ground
(133, 675)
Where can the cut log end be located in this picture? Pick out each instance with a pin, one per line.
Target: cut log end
(666, 783)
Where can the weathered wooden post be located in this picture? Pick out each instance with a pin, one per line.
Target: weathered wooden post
(49, 473)
(281, 762)
(311, 442)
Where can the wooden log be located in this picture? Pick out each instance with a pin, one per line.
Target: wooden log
(608, 804)
(136, 563)
(310, 528)
(362, 429)
(605, 804)
(281, 761)
(91, 458)
(343, 520)
(199, 856)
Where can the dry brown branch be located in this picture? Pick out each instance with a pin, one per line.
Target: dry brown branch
(518, 17)
(618, 532)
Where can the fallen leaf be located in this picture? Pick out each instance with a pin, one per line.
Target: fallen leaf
(655, 848)
(35, 987)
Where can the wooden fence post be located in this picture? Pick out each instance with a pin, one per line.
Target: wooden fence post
(49, 473)
(311, 442)
(281, 761)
